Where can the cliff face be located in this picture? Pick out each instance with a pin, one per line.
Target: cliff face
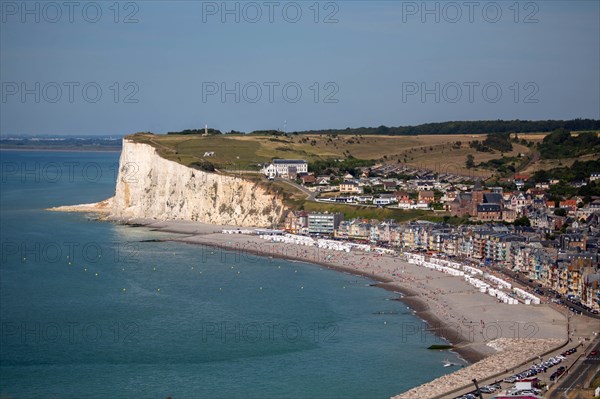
(152, 187)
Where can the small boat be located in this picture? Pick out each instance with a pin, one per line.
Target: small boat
(448, 364)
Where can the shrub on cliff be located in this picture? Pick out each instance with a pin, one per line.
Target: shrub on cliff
(203, 165)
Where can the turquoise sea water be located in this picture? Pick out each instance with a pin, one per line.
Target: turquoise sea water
(92, 309)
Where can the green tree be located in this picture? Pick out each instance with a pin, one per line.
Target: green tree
(522, 221)
(470, 161)
(560, 212)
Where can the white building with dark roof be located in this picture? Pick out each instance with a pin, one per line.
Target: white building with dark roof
(285, 167)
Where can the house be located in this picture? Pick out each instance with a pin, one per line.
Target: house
(350, 187)
(357, 229)
(519, 201)
(489, 212)
(296, 222)
(569, 205)
(404, 200)
(363, 199)
(308, 179)
(285, 168)
(594, 206)
(538, 203)
(572, 241)
(385, 199)
(536, 192)
(402, 196)
(521, 177)
(450, 195)
(389, 185)
(424, 185)
(578, 184)
(323, 180)
(519, 183)
(542, 185)
(591, 293)
(426, 197)
(509, 215)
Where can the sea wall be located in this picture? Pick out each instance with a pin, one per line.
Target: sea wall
(152, 187)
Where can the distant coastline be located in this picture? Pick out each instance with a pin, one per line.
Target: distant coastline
(61, 143)
(60, 149)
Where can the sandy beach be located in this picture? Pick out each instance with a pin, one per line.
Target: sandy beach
(488, 334)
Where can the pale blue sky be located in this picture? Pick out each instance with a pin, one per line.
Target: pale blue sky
(374, 53)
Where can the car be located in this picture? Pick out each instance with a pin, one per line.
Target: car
(593, 354)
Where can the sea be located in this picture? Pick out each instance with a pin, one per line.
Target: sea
(92, 309)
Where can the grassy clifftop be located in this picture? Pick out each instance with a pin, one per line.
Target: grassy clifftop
(239, 152)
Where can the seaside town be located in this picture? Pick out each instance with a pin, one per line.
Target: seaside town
(300, 199)
(516, 243)
(553, 245)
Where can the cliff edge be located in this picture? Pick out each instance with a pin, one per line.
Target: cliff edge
(151, 187)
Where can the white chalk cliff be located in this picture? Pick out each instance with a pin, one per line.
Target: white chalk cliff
(152, 187)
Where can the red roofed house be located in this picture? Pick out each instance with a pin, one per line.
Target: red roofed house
(308, 179)
(521, 177)
(569, 205)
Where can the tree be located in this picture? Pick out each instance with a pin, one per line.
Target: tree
(499, 141)
(470, 161)
(560, 212)
(522, 221)
(203, 165)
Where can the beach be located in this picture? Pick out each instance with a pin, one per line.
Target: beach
(483, 331)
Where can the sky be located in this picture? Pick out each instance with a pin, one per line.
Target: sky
(115, 68)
